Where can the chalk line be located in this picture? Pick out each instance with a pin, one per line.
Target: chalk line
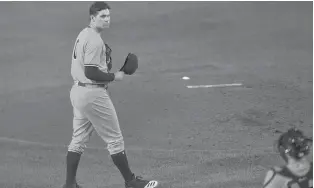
(215, 85)
(241, 151)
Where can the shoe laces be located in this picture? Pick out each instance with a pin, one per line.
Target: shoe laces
(140, 179)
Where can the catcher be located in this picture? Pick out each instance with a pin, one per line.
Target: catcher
(92, 106)
(293, 147)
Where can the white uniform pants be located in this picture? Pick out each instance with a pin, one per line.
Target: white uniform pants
(93, 110)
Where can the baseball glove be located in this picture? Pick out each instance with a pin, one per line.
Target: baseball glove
(130, 64)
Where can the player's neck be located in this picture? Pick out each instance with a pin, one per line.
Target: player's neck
(92, 26)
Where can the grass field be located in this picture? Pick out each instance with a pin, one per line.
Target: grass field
(209, 137)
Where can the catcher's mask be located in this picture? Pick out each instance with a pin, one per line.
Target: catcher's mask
(294, 143)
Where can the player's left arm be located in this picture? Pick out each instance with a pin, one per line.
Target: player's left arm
(92, 63)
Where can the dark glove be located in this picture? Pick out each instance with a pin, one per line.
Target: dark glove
(130, 64)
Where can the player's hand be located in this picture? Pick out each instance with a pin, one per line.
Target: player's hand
(119, 76)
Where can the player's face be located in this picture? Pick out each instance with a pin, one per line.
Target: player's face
(102, 19)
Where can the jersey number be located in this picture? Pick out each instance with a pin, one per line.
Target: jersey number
(74, 53)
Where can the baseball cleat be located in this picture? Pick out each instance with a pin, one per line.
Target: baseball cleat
(139, 182)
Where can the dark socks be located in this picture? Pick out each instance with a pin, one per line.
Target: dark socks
(121, 161)
(72, 160)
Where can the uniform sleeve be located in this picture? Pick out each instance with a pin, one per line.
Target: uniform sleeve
(268, 178)
(93, 52)
(271, 181)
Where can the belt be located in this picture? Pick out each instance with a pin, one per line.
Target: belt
(92, 85)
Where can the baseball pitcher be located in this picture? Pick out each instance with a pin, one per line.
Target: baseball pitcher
(92, 106)
(293, 147)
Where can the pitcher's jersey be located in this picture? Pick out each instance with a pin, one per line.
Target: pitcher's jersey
(281, 177)
(89, 50)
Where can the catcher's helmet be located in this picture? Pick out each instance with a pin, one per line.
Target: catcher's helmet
(294, 143)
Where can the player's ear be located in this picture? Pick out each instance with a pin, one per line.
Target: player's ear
(92, 18)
